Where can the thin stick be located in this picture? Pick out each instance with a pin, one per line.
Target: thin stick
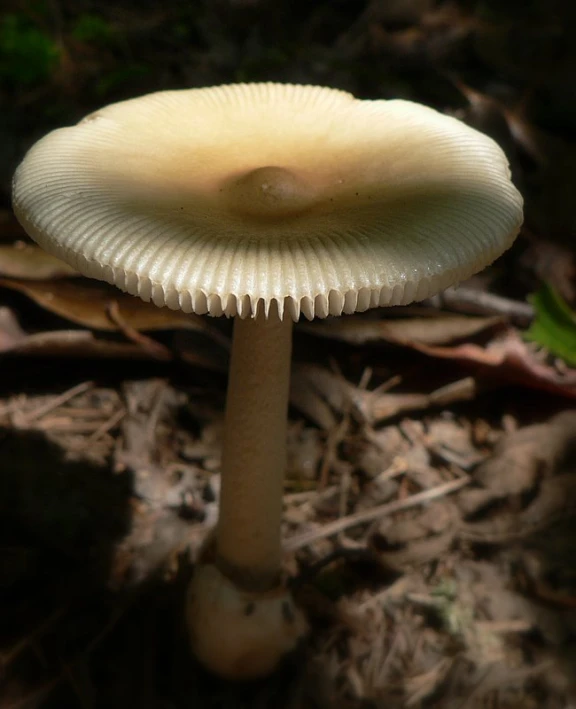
(106, 426)
(154, 348)
(328, 530)
(297, 498)
(55, 403)
(470, 300)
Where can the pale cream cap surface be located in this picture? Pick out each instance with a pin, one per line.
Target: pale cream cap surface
(232, 199)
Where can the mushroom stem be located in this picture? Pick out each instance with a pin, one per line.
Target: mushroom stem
(248, 544)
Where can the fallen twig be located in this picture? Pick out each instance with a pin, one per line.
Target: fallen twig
(54, 403)
(477, 302)
(152, 347)
(328, 530)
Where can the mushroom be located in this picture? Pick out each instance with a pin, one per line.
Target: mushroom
(265, 202)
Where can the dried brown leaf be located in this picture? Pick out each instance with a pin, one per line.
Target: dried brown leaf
(11, 334)
(439, 328)
(535, 450)
(419, 551)
(87, 304)
(433, 520)
(520, 461)
(21, 260)
(554, 502)
(84, 344)
(417, 539)
(508, 359)
(72, 343)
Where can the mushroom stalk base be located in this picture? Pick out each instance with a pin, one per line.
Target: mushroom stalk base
(248, 546)
(240, 635)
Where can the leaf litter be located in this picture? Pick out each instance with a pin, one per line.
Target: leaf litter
(428, 523)
(421, 497)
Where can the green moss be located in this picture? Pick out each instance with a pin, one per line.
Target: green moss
(27, 54)
(93, 29)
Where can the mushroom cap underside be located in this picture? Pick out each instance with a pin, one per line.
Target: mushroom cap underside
(235, 199)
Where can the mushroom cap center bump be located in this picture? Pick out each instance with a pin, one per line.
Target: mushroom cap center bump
(269, 192)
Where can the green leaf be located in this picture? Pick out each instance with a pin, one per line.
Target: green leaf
(554, 326)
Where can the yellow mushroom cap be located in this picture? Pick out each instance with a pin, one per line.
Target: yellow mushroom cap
(230, 199)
